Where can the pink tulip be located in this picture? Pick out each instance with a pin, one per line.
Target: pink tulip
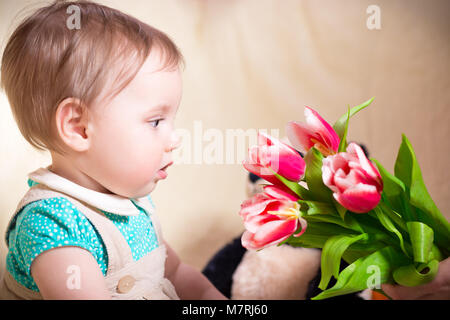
(272, 154)
(270, 218)
(315, 133)
(354, 180)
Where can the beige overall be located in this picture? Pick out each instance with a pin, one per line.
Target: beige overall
(125, 279)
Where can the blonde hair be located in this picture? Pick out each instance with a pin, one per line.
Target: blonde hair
(45, 62)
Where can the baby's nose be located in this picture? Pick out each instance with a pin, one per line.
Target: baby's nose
(175, 142)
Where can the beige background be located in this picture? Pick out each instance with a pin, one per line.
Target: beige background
(255, 64)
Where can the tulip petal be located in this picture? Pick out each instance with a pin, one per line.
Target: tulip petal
(303, 225)
(327, 174)
(360, 198)
(254, 223)
(322, 128)
(249, 208)
(364, 162)
(277, 193)
(255, 205)
(271, 155)
(300, 136)
(345, 182)
(247, 241)
(287, 163)
(340, 161)
(263, 173)
(275, 231)
(265, 139)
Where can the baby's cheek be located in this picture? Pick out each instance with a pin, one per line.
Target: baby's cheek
(133, 160)
(133, 178)
(145, 164)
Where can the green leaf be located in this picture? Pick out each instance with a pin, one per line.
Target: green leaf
(404, 163)
(366, 247)
(422, 237)
(352, 223)
(317, 234)
(313, 177)
(366, 272)
(394, 193)
(394, 216)
(368, 223)
(407, 169)
(307, 241)
(331, 256)
(344, 277)
(349, 223)
(315, 211)
(387, 223)
(392, 186)
(343, 139)
(339, 126)
(340, 209)
(409, 276)
(317, 207)
(294, 186)
(436, 254)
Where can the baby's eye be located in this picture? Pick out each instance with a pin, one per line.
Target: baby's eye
(154, 123)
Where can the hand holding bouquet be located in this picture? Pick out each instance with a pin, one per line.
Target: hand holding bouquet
(385, 226)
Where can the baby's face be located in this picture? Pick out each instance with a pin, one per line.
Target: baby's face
(133, 134)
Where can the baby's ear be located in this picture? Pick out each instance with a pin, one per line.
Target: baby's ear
(71, 124)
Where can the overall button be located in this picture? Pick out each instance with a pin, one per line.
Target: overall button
(125, 284)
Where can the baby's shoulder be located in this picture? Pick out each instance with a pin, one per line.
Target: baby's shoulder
(50, 215)
(49, 223)
(50, 207)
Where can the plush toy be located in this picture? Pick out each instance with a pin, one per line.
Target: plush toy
(275, 273)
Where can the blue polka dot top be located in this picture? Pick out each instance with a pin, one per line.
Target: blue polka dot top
(49, 223)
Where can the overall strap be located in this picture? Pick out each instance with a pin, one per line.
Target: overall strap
(148, 207)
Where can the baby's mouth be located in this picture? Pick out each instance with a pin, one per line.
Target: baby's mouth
(166, 166)
(162, 174)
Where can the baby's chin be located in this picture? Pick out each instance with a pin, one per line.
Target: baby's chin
(145, 191)
(151, 187)
(136, 194)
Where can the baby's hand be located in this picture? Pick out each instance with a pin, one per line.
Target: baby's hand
(189, 283)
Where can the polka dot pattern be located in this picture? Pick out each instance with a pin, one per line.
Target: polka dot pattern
(55, 222)
(138, 232)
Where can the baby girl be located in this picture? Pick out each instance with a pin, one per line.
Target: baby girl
(102, 98)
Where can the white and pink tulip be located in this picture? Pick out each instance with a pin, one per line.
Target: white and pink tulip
(356, 183)
(270, 217)
(315, 133)
(272, 155)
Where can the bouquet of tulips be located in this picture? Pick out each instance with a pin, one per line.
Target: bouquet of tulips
(385, 226)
